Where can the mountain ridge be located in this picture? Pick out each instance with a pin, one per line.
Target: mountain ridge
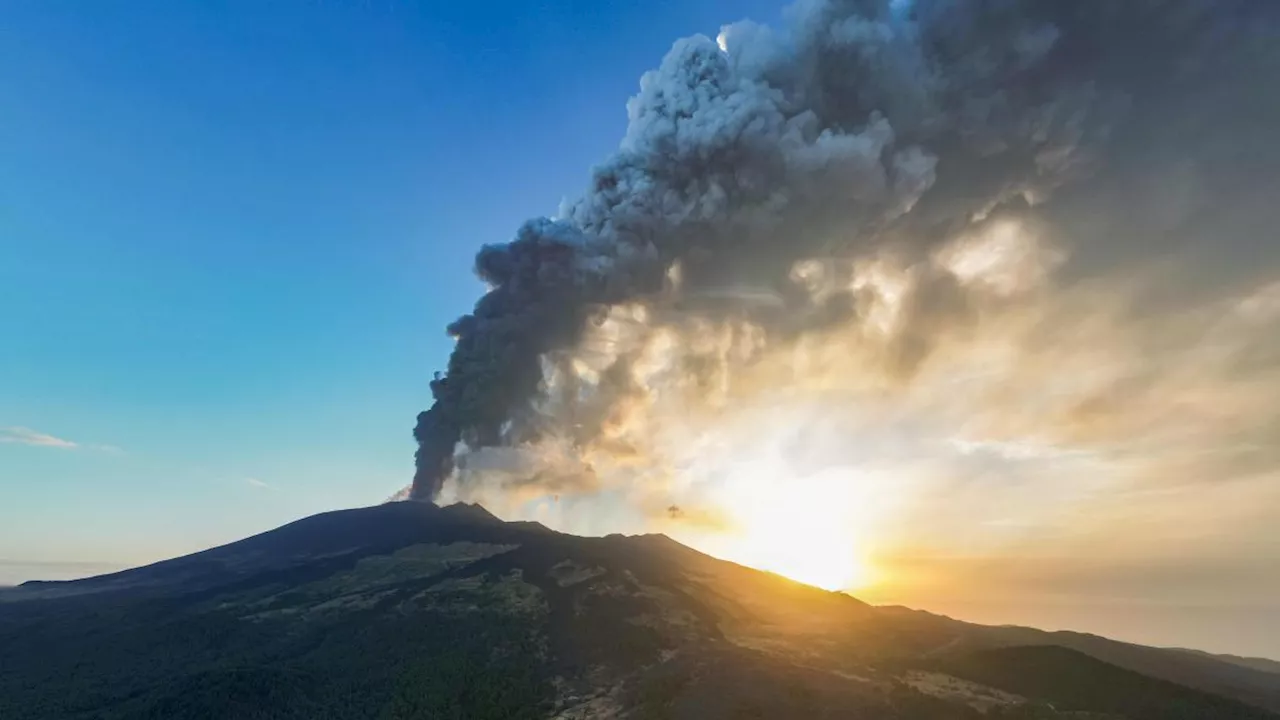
(354, 602)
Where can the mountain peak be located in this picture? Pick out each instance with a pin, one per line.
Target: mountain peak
(404, 609)
(471, 511)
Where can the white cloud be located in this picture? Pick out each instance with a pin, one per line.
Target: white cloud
(1016, 450)
(27, 436)
(255, 482)
(18, 435)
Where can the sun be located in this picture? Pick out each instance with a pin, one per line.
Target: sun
(806, 530)
(809, 530)
(805, 541)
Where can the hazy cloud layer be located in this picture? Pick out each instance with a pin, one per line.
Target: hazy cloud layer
(16, 572)
(1009, 269)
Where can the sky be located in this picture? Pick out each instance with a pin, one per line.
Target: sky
(231, 236)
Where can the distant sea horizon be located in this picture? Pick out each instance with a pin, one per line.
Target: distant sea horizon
(16, 572)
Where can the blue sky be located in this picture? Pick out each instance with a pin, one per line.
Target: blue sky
(231, 235)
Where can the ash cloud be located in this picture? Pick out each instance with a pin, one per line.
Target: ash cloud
(846, 173)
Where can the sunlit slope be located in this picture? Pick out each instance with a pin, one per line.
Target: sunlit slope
(409, 611)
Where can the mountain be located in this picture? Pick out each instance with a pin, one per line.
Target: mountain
(1254, 681)
(1072, 680)
(1263, 664)
(408, 610)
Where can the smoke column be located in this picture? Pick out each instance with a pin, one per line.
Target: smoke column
(752, 160)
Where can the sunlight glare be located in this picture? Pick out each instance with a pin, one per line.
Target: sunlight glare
(806, 532)
(810, 526)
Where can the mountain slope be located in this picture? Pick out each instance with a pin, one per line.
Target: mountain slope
(1071, 680)
(1252, 682)
(408, 610)
(1254, 663)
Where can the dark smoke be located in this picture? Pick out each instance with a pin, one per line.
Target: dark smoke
(869, 123)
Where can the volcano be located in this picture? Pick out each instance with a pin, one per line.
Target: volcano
(410, 610)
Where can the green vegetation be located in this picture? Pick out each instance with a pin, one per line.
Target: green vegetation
(397, 657)
(410, 563)
(412, 612)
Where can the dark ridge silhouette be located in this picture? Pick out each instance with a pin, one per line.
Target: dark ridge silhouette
(409, 610)
(1071, 680)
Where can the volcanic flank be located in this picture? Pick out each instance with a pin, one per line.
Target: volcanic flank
(409, 610)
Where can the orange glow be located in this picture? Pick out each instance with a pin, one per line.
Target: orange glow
(808, 530)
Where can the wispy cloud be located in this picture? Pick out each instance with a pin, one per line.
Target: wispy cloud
(1015, 450)
(19, 435)
(255, 482)
(27, 436)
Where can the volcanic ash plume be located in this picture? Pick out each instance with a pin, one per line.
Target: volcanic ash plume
(845, 196)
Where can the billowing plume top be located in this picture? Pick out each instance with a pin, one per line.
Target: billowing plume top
(861, 126)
